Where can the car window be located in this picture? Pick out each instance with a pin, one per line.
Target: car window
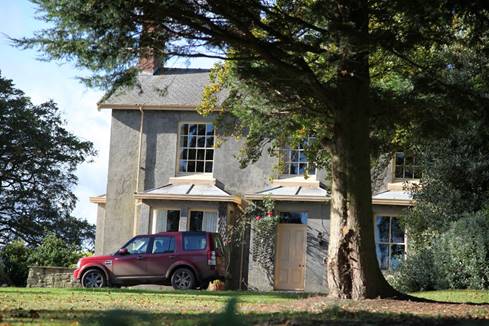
(194, 241)
(138, 245)
(163, 245)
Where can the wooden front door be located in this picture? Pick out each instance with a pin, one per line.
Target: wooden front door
(290, 257)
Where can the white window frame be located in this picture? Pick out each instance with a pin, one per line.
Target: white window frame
(164, 211)
(180, 147)
(205, 215)
(403, 167)
(389, 242)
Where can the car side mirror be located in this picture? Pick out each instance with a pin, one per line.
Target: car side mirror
(122, 252)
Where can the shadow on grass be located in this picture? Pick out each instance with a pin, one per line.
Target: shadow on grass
(229, 316)
(225, 294)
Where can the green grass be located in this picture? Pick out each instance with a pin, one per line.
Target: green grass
(146, 307)
(458, 296)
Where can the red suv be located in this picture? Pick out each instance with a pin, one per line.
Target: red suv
(185, 260)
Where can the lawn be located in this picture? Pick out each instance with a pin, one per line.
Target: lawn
(130, 307)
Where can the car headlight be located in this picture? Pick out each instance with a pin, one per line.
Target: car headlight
(78, 264)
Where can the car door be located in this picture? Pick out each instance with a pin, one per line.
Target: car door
(162, 255)
(132, 264)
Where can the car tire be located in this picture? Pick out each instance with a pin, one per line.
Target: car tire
(183, 279)
(93, 279)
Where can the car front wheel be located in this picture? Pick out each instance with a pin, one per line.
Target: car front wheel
(93, 278)
(183, 279)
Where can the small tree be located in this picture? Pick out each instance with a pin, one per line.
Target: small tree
(15, 260)
(53, 251)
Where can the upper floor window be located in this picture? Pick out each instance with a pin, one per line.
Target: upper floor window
(196, 148)
(406, 166)
(296, 162)
(390, 242)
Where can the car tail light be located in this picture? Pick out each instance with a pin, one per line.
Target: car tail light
(211, 258)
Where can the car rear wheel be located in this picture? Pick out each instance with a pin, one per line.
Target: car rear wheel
(93, 278)
(183, 279)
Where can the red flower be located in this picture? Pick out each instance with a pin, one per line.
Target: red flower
(258, 217)
(269, 214)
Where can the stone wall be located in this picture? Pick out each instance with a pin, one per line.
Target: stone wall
(51, 277)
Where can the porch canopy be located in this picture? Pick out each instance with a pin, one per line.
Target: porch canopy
(189, 191)
(292, 193)
(392, 197)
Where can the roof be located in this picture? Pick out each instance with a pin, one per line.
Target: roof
(402, 198)
(190, 191)
(292, 193)
(172, 88)
(100, 199)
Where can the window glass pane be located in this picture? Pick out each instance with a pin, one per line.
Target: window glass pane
(294, 157)
(399, 171)
(209, 129)
(182, 166)
(302, 156)
(163, 245)
(397, 255)
(200, 166)
(208, 167)
(173, 219)
(201, 142)
(192, 130)
(192, 154)
(138, 245)
(383, 255)
(209, 154)
(209, 141)
(302, 168)
(397, 233)
(408, 172)
(196, 218)
(293, 217)
(183, 141)
(191, 166)
(294, 168)
(184, 129)
(382, 229)
(200, 154)
(399, 158)
(194, 241)
(201, 130)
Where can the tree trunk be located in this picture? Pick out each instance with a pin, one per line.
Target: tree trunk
(352, 268)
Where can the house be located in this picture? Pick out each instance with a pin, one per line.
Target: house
(165, 174)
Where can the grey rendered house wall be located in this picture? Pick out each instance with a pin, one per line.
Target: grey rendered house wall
(158, 164)
(314, 275)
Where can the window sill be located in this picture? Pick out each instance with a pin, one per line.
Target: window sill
(197, 178)
(301, 181)
(402, 184)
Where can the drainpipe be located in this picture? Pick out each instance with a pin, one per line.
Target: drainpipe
(138, 167)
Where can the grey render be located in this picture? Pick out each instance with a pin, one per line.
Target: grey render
(120, 216)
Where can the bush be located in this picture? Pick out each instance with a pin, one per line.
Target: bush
(53, 251)
(417, 273)
(462, 253)
(14, 257)
(456, 259)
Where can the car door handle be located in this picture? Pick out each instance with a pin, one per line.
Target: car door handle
(172, 256)
(140, 257)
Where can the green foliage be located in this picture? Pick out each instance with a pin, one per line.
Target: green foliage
(264, 232)
(38, 158)
(14, 258)
(455, 259)
(53, 251)
(462, 253)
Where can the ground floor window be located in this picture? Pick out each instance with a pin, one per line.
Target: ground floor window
(203, 221)
(293, 217)
(390, 242)
(165, 220)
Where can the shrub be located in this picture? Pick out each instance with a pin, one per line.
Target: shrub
(53, 251)
(14, 257)
(456, 259)
(417, 273)
(462, 253)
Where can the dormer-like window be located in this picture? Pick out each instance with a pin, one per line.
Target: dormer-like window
(406, 166)
(295, 162)
(196, 148)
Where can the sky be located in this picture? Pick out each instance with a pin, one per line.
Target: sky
(43, 81)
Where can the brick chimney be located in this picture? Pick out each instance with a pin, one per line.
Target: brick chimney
(150, 58)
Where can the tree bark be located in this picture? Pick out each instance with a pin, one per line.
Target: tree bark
(352, 267)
